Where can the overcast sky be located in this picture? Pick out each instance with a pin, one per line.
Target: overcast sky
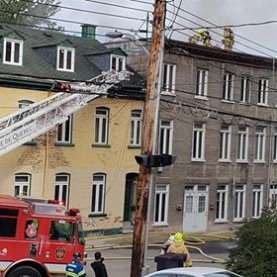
(218, 12)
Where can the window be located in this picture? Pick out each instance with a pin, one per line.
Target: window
(275, 145)
(260, 144)
(202, 83)
(13, 51)
(198, 142)
(118, 63)
(263, 92)
(98, 193)
(22, 184)
(61, 230)
(228, 86)
(135, 128)
(273, 196)
(161, 204)
(64, 131)
(225, 143)
(245, 89)
(239, 202)
(169, 75)
(221, 203)
(66, 59)
(242, 153)
(8, 222)
(166, 132)
(62, 188)
(257, 201)
(101, 125)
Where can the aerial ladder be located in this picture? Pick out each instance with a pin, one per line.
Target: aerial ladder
(27, 123)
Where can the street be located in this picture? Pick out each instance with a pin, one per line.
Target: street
(118, 261)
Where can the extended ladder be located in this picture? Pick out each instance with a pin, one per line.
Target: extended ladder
(25, 124)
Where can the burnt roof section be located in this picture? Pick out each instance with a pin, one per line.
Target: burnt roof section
(216, 54)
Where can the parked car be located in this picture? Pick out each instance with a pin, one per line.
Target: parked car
(193, 272)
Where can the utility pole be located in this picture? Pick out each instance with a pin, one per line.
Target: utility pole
(150, 106)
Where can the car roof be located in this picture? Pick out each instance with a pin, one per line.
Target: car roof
(189, 270)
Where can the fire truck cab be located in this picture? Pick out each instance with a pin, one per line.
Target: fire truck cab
(37, 238)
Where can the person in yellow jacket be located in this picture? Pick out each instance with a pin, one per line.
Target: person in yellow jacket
(178, 247)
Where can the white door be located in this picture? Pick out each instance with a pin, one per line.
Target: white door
(195, 208)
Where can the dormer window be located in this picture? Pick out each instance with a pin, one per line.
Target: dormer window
(118, 63)
(65, 59)
(13, 51)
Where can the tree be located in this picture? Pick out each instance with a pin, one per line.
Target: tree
(256, 252)
(29, 12)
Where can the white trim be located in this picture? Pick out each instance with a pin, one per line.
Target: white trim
(136, 122)
(255, 191)
(223, 198)
(103, 127)
(167, 130)
(225, 134)
(263, 92)
(196, 136)
(98, 184)
(164, 190)
(228, 87)
(260, 140)
(241, 194)
(72, 63)
(165, 82)
(243, 143)
(117, 59)
(202, 82)
(20, 54)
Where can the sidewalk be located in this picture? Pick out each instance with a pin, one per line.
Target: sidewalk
(155, 239)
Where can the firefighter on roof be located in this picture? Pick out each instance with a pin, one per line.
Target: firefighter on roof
(75, 267)
(201, 35)
(228, 40)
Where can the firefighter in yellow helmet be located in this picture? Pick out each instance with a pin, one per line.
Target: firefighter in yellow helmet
(178, 247)
(228, 38)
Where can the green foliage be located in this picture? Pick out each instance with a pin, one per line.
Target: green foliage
(256, 253)
(29, 12)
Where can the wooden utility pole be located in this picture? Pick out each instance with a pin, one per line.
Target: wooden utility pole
(151, 97)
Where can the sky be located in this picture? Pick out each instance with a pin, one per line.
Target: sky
(255, 39)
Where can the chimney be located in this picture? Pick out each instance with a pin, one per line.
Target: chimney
(88, 31)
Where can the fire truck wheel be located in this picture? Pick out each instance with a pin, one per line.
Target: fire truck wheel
(24, 271)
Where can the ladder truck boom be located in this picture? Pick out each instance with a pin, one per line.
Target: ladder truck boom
(25, 124)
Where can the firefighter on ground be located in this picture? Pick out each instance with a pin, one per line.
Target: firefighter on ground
(75, 267)
(178, 247)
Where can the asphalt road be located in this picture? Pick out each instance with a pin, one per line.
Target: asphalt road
(118, 261)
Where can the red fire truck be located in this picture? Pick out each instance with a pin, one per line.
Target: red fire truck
(37, 238)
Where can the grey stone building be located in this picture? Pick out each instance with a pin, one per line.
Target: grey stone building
(218, 116)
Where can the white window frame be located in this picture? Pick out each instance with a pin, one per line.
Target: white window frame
(166, 136)
(257, 200)
(263, 92)
(135, 128)
(101, 125)
(228, 86)
(12, 54)
(275, 145)
(66, 50)
(260, 139)
(202, 84)
(225, 143)
(160, 216)
(117, 59)
(273, 196)
(239, 202)
(198, 140)
(100, 189)
(22, 185)
(221, 203)
(61, 186)
(245, 96)
(169, 79)
(242, 150)
(64, 131)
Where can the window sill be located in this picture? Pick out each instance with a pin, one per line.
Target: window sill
(224, 161)
(11, 63)
(201, 97)
(134, 146)
(198, 160)
(218, 221)
(67, 144)
(164, 224)
(262, 105)
(65, 70)
(228, 101)
(242, 161)
(239, 220)
(167, 93)
(97, 215)
(245, 103)
(258, 162)
(101, 145)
